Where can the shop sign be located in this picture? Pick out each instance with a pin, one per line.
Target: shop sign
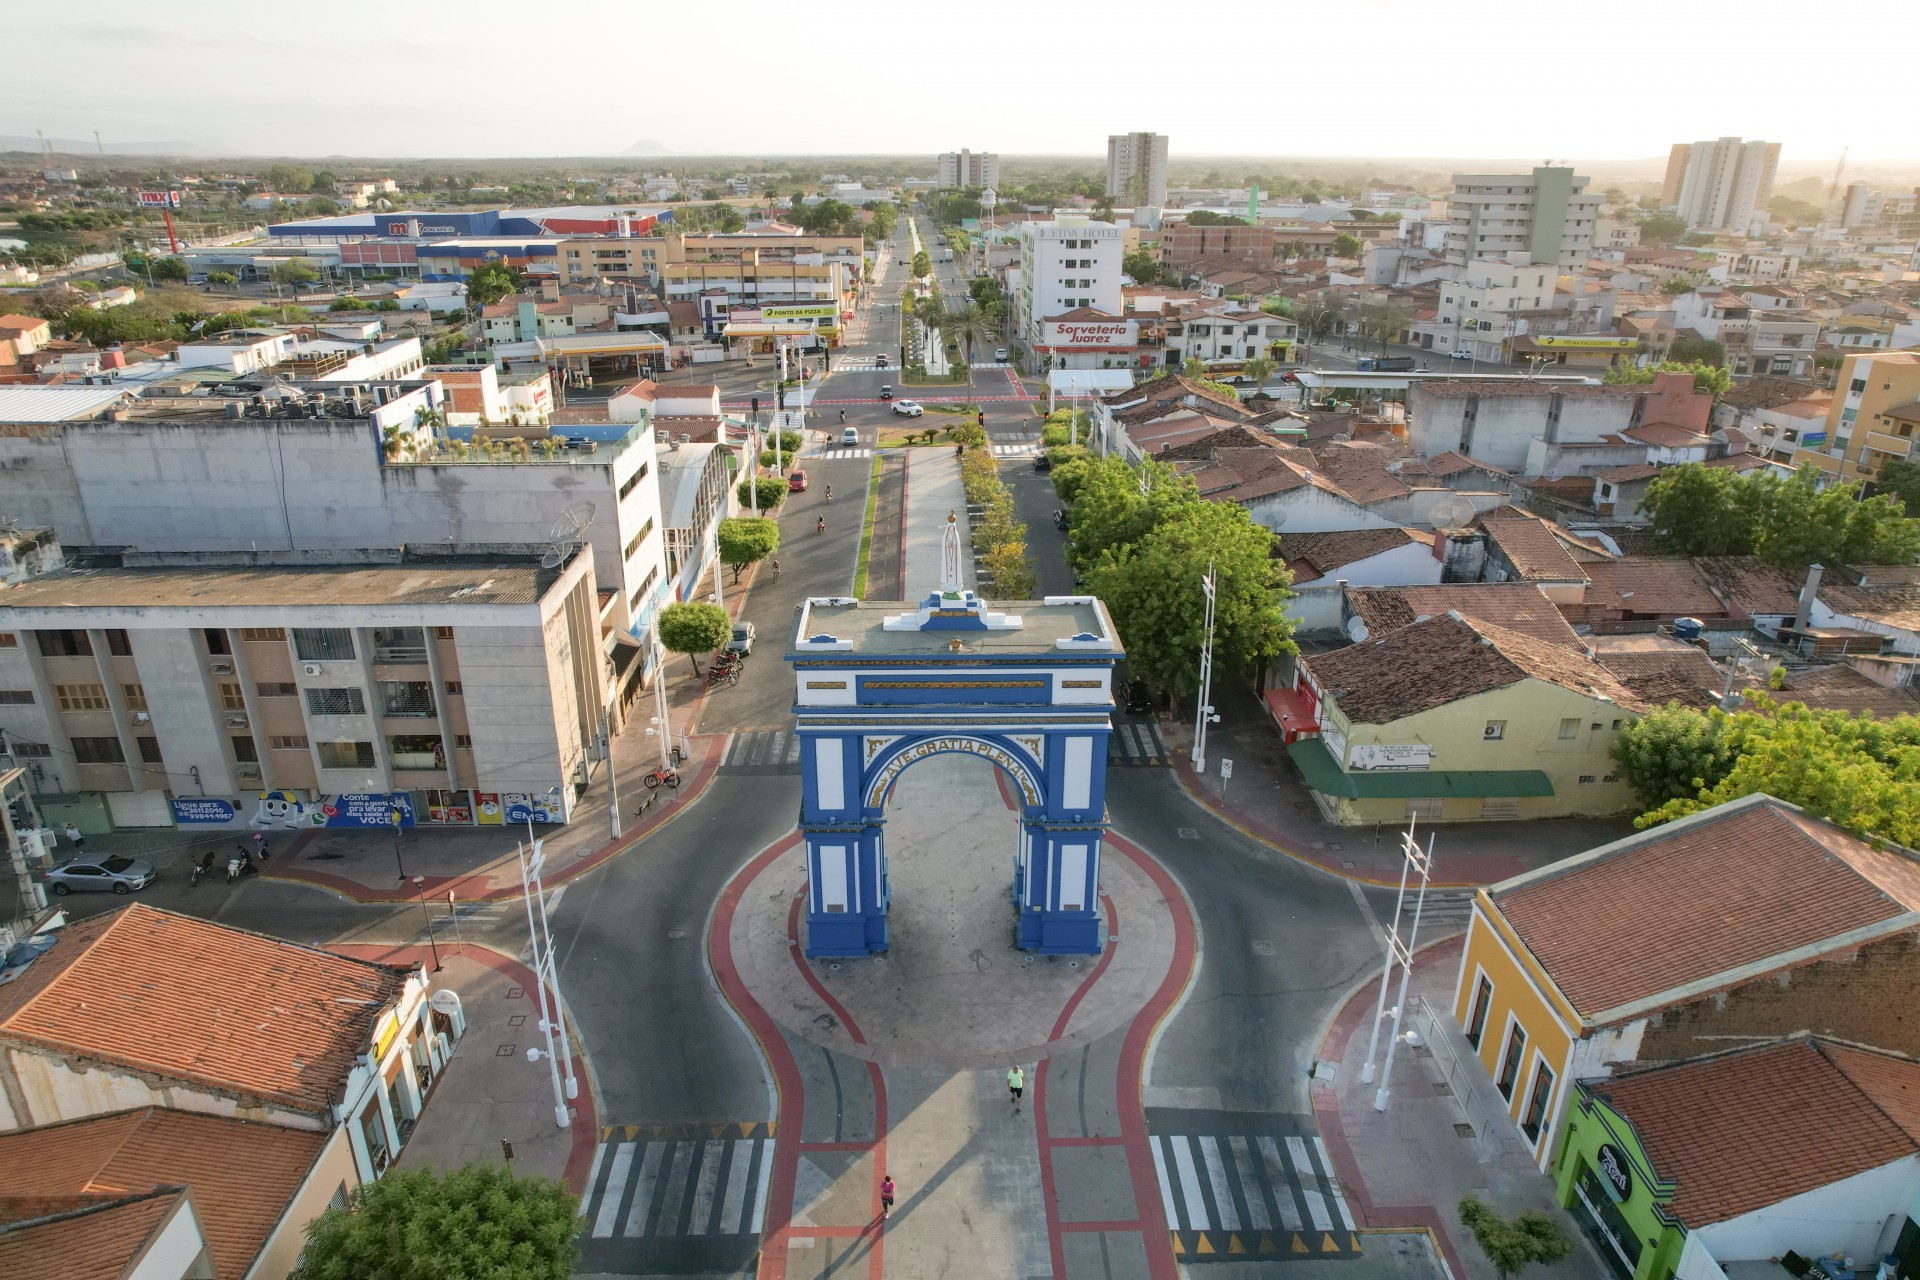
(1390, 756)
(487, 804)
(363, 809)
(1565, 343)
(1091, 333)
(1615, 1176)
(521, 807)
(189, 811)
(824, 311)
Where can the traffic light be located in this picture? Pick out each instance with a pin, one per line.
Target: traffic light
(756, 407)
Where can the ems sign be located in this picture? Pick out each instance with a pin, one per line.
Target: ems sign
(159, 199)
(1614, 1173)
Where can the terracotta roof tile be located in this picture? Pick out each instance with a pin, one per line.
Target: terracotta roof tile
(1893, 606)
(1444, 659)
(1663, 435)
(281, 1023)
(1841, 688)
(1809, 1105)
(242, 1174)
(1517, 606)
(86, 1242)
(1442, 465)
(1360, 469)
(1764, 880)
(1650, 586)
(1536, 553)
(1661, 670)
(1749, 585)
(1322, 553)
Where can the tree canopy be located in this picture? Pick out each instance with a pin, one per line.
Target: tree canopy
(1900, 480)
(1713, 379)
(1698, 510)
(1208, 218)
(1142, 266)
(419, 1224)
(694, 627)
(1860, 772)
(1513, 1244)
(766, 492)
(744, 541)
(491, 281)
(1661, 229)
(1346, 245)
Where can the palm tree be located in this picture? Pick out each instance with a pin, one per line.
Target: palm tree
(1259, 368)
(1194, 367)
(968, 323)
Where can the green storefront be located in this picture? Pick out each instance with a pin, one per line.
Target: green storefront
(1605, 1180)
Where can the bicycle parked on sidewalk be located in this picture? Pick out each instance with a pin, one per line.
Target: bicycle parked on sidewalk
(654, 777)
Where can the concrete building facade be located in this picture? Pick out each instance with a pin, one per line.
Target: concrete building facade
(1070, 263)
(1875, 410)
(1548, 214)
(1721, 184)
(962, 169)
(1137, 168)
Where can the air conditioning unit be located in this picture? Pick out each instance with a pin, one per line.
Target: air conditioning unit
(312, 668)
(248, 772)
(221, 666)
(237, 720)
(141, 717)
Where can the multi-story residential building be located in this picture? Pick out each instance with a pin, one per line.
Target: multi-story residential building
(1547, 214)
(1508, 423)
(1721, 184)
(1774, 340)
(644, 257)
(1479, 311)
(1613, 235)
(1070, 263)
(525, 317)
(1249, 246)
(444, 679)
(1875, 410)
(336, 352)
(962, 169)
(1137, 168)
(1229, 336)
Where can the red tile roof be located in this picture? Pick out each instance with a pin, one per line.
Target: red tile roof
(1649, 586)
(86, 1241)
(1536, 553)
(242, 1174)
(1314, 555)
(1517, 606)
(1763, 880)
(1664, 435)
(1743, 1130)
(1750, 586)
(228, 1010)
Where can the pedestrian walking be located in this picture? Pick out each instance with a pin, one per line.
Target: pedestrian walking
(74, 837)
(260, 846)
(1016, 1085)
(886, 1196)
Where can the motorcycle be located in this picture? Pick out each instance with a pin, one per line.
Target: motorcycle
(240, 864)
(201, 868)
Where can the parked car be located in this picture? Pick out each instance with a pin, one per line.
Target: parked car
(742, 642)
(797, 482)
(886, 392)
(907, 408)
(850, 435)
(1042, 462)
(80, 875)
(1461, 353)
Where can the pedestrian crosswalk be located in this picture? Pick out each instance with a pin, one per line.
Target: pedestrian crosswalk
(1016, 450)
(763, 751)
(848, 364)
(680, 1186)
(838, 455)
(1445, 911)
(1135, 743)
(1231, 1195)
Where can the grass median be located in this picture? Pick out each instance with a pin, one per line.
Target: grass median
(866, 530)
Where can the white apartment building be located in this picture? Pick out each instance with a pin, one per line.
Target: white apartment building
(961, 169)
(1547, 214)
(303, 694)
(1070, 263)
(1481, 310)
(1137, 168)
(336, 353)
(1231, 336)
(1721, 184)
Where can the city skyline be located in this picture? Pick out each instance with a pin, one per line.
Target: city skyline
(239, 59)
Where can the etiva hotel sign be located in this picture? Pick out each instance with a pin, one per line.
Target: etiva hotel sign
(1090, 333)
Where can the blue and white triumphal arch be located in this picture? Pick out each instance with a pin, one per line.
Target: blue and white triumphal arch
(1026, 684)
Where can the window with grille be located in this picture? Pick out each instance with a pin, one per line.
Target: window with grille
(400, 644)
(263, 633)
(443, 633)
(16, 697)
(98, 751)
(406, 697)
(288, 742)
(346, 701)
(346, 755)
(323, 644)
(277, 689)
(81, 697)
(64, 644)
(463, 740)
(232, 697)
(29, 750)
(454, 687)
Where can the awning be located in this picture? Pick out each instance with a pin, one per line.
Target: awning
(1324, 774)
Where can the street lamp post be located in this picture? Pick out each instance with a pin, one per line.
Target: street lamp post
(1203, 712)
(393, 818)
(1401, 953)
(420, 883)
(613, 775)
(529, 887)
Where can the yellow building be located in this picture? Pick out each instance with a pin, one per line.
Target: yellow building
(1749, 920)
(1458, 720)
(1876, 405)
(646, 258)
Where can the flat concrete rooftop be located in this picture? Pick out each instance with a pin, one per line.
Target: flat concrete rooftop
(453, 582)
(1043, 623)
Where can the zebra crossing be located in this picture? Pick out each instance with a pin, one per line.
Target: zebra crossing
(702, 1188)
(1231, 1195)
(1027, 450)
(763, 751)
(1135, 743)
(1445, 911)
(839, 455)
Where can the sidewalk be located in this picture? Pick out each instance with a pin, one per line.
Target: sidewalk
(489, 1092)
(1267, 800)
(933, 489)
(1445, 1133)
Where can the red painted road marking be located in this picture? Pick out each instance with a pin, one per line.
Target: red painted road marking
(1056, 1243)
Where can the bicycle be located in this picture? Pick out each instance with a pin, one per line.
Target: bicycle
(654, 777)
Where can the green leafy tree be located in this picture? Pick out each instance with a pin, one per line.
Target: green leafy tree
(1662, 229)
(1685, 350)
(1513, 1244)
(1346, 245)
(922, 265)
(224, 279)
(968, 435)
(477, 1220)
(1860, 772)
(1900, 480)
(767, 491)
(694, 627)
(968, 323)
(1195, 368)
(1672, 753)
(294, 271)
(1259, 369)
(491, 281)
(167, 271)
(1207, 218)
(1713, 379)
(1677, 283)
(1142, 266)
(1698, 510)
(746, 541)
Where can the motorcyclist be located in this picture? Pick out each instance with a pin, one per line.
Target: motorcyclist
(829, 493)
(843, 415)
(820, 526)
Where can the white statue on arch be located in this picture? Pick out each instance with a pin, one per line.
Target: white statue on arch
(950, 555)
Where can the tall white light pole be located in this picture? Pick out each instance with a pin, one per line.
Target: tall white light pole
(1415, 859)
(1203, 713)
(529, 886)
(552, 974)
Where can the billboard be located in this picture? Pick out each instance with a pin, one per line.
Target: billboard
(822, 311)
(1562, 342)
(1090, 333)
(159, 199)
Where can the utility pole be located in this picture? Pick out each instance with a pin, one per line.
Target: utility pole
(1413, 859)
(1203, 712)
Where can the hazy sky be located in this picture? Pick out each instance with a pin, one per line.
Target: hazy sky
(1510, 78)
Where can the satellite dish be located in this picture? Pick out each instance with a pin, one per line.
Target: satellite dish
(566, 534)
(1451, 512)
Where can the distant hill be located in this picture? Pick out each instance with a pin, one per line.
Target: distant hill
(646, 147)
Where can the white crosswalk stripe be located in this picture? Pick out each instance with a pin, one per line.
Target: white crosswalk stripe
(839, 455)
(1015, 450)
(1258, 1183)
(682, 1187)
(765, 750)
(1136, 743)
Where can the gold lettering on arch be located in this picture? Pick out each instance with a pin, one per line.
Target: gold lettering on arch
(920, 750)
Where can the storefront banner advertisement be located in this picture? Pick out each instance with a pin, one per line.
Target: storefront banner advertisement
(521, 807)
(202, 811)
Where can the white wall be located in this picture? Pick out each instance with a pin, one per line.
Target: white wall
(1310, 509)
(1849, 1216)
(1696, 1263)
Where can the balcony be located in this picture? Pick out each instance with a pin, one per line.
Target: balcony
(414, 752)
(1895, 446)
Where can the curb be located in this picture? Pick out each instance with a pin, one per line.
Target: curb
(439, 886)
(585, 1129)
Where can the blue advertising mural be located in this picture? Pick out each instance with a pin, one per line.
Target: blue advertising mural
(196, 811)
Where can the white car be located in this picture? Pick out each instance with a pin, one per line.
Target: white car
(1461, 353)
(1001, 354)
(850, 435)
(907, 408)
